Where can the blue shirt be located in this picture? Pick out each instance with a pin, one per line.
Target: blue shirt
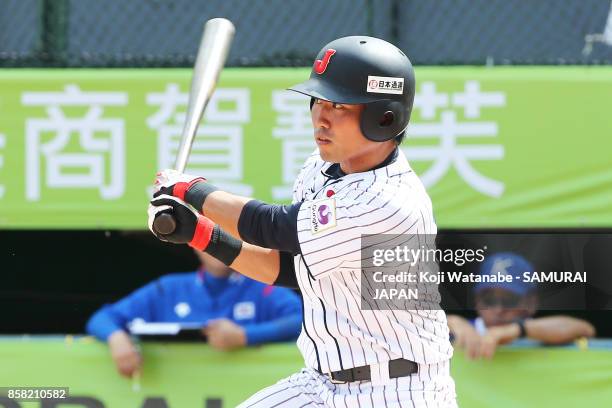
(267, 313)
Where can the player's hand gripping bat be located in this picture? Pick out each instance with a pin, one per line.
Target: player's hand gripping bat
(214, 47)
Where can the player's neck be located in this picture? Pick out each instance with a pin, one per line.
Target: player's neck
(368, 160)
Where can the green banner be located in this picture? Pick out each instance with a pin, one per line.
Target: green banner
(184, 375)
(193, 375)
(496, 147)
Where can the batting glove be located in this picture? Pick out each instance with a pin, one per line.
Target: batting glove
(191, 189)
(192, 228)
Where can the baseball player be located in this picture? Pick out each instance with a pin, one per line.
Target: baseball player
(357, 182)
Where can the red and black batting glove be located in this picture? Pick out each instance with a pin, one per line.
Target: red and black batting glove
(191, 189)
(192, 228)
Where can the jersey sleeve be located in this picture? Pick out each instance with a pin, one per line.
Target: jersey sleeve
(116, 316)
(269, 225)
(330, 229)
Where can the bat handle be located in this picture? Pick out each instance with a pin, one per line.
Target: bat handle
(164, 224)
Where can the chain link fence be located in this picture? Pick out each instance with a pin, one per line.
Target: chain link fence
(166, 33)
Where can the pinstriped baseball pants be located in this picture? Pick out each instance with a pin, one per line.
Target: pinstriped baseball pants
(431, 387)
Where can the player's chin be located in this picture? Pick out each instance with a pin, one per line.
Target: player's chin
(327, 154)
(327, 151)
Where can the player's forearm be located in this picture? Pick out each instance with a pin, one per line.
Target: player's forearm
(558, 329)
(265, 225)
(224, 209)
(261, 264)
(266, 265)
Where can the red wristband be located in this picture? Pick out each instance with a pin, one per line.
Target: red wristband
(180, 189)
(203, 233)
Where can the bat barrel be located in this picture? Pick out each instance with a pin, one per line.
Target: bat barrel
(214, 47)
(212, 53)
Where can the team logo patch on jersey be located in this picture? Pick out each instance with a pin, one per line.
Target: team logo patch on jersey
(322, 215)
(244, 310)
(388, 85)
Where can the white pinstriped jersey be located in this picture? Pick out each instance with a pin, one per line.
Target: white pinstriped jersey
(336, 333)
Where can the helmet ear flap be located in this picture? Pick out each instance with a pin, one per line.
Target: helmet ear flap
(383, 120)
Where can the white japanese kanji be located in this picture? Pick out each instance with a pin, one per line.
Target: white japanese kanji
(100, 141)
(439, 107)
(2, 146)
(217, 151)
(294, 128)
(472, 100)
(428, 100)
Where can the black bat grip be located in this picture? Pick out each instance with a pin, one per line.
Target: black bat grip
(164, 224)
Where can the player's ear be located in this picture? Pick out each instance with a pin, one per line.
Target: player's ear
(383, 120)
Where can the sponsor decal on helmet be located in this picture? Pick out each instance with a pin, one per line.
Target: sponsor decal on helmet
(321, 65)
(388, 85)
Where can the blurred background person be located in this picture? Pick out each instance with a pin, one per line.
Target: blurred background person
(234, 311)
(505, 313)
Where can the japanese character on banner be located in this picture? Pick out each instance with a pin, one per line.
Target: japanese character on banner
(2, 146)
(448, 152)
(217, 151)
(294, 128)
(84, 151)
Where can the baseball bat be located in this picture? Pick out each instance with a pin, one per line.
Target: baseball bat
(214, 47)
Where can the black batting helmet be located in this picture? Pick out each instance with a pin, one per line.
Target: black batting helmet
(370, 71)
